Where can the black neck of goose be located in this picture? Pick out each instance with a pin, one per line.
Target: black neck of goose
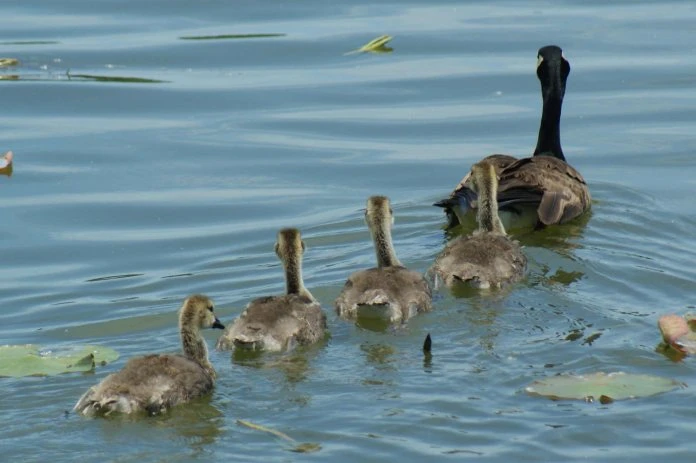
(384, 249)
(549, 141)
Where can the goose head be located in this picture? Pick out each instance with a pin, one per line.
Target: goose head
(552, 70)
(197, 313)
(289, 246)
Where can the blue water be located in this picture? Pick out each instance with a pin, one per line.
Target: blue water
(127, 196)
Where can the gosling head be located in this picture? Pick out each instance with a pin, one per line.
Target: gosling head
(552, 70)
(198, 312)
(289, 244)
(378, 213)
(380, 217)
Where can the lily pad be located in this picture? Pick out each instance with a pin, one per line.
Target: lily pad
(605, 387)
(31, 360)
(678, 332)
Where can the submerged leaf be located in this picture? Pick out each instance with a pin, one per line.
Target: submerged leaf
(258, 427)
(30, 360)
(377, 45)
(230, 36)
(602, 386)
(126, 80)
(306, 447)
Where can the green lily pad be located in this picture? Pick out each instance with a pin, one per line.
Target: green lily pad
(31, 360)
(605, 387)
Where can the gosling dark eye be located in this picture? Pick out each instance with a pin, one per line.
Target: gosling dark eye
(210, 307)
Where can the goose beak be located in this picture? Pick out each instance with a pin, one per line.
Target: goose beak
(218, 325)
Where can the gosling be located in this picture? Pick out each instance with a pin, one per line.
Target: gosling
(157, 382)
(487, 258)
(390, 291)
(278, 323)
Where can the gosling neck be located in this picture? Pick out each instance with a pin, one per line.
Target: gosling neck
(384, 249)
(487, 212)
(195, 348)
(294, 284)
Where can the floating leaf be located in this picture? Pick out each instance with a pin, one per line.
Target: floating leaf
(126, 80)
(31, 42)
(678, 332)
(230, 36)
(9, 62)
(601, 386)
(6, 163)
(377, 45)
(30, 360)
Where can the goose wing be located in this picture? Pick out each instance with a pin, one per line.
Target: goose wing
(559, 189)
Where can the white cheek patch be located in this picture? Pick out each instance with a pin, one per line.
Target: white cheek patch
(540, 59)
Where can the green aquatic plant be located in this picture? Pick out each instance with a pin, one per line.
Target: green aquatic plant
(4, 62)
(377, 45)
(31, 360)
(126, 80)
(31, 42)
(602, 387)
(230, 36)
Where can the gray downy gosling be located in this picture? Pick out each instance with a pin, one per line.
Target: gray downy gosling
(487, 258)
(389, 291)
(277, 323)
(157, 382)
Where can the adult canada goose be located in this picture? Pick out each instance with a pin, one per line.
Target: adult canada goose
(487, 257)
(279, 322)
(390, 291)
(544, 184)
(154, 383)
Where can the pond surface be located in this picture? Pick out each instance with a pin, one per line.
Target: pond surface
(128, 195)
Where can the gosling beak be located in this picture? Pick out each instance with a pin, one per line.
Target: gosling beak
(217, 324)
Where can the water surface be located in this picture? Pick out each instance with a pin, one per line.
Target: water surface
(127, 196)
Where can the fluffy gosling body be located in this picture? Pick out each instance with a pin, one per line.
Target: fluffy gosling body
(157, 382)
(487, 258)
(277, 323)
(389, 291)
